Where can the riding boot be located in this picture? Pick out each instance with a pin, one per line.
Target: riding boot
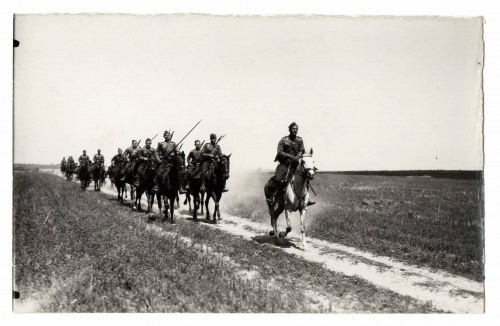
(310, 203)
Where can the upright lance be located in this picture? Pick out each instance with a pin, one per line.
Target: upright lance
(220, 138)
(180, 142)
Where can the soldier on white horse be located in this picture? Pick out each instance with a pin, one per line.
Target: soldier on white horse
(288, 189)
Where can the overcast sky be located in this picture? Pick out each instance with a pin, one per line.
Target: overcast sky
(367, 93)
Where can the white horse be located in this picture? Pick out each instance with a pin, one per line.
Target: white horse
(294, 198)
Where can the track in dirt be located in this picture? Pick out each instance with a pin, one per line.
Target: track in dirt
(443, 290)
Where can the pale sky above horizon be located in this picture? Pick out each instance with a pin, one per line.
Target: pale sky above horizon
(367, 93)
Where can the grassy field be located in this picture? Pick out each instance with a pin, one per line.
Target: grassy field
(434, 222)
(83, 252)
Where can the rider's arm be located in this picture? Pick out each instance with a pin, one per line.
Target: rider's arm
(281, 151)
(301, 147)
(205, 151)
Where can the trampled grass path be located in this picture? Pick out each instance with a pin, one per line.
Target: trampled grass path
(442, 289)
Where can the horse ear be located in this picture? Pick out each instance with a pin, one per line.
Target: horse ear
(311, 151)
(229, 155)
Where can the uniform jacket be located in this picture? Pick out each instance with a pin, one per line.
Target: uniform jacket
(132, 153)
(195, 156)
(83, 158)
(118, 159)
(209, 149)
(147, 153)
(165, 149)
(99, 158)
(288, 149)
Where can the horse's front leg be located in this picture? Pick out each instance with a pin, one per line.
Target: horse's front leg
(288, 224)
(207, 211)
(202, 194)
(303, 212)
(172, 203)
(216, 207)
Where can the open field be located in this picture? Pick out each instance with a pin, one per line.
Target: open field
(82, 251)
(434, 222)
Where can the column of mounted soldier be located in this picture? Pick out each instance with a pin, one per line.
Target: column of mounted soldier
(162, 171)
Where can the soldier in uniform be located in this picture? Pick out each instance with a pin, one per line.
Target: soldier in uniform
(63, 165)
(290, 151)
(83, 158)
(194, 161)
(131, 154)
(167, 151)
(210, 152)
(146, 155)
(71, 163)
(119, 159)
(99, 158)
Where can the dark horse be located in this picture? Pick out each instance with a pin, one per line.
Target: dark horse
(70, 169)
(168, 179)
(115, 175)
(215, 180)
(84, 174)
(98, 175)
(195, 190)
(146, 183)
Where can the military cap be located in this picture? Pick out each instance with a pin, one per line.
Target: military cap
(293, 124)
(148, 139)
(213, 136)
(166, 133)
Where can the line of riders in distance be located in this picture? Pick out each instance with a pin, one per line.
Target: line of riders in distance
(136, 158)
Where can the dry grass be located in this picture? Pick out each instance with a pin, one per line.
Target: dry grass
(84, 252)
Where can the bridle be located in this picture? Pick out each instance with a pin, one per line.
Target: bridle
(304, 171)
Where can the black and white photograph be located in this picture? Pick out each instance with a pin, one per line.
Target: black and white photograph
(198, 163)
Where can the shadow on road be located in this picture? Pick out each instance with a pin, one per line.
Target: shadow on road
(280, 242)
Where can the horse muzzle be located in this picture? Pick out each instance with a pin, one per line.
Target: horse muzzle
(310, 174)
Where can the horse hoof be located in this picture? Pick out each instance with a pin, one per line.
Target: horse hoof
(271, 233)
(282, 234)
(288, 229)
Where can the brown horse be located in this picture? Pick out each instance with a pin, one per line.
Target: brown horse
(115, 176)
(215, 180)
(145, 176)
(168, 182)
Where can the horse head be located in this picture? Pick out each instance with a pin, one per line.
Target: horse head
(225, 166)
(307, 165)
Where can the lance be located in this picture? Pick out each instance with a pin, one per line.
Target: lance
(196, 125)
(180, 142)
(202, 144)
(220, 138)
(154, 137)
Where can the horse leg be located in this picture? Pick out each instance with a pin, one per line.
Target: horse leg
(288, 224)
(196, 204)
(207, 211)
(172, 202)
(303, 212)
(216, 207)
(201, 201)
